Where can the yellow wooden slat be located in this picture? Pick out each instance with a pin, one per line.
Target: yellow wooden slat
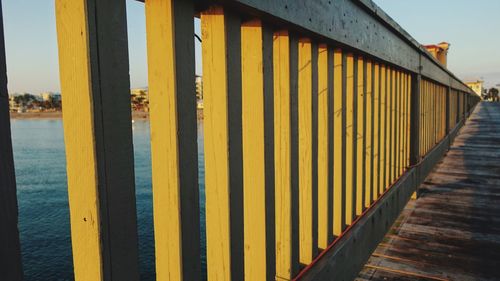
(254, 187)
(432, 121)
(433, 115)
(408, 118)
(282, 152)
(338, 203)
(376, 130)
(394, 92)
(420, 120)
(388, 128)
(401, 124)
(383, 130)
(429, 116)
(81, 162)
(428, 135)
(368, 136)
(397, 135)
(426, 117)
(216, 144)
(445, 100)
(439, 113)
(349, 135)
(360, 150)
(176, 259)
(443, 112)
(323, 156)
(305, 151)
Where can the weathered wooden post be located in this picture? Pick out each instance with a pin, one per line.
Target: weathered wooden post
(174, 150)
(415, 119)
(447, 116)
(10, 251)
(94, 70)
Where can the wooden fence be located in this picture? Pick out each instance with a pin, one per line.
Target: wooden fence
(315, 114)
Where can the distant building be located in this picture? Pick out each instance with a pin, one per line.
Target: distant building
(440, 52)
(13, 105)
(199, 87)
(199, 91)
(50, 96)
(476, 86)
(139, 98)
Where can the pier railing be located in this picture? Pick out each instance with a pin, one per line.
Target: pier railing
(321, 118)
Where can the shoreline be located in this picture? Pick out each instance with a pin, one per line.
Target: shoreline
(136, 115)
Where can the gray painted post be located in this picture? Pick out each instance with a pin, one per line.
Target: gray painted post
(415, 119)
(113, 138)
(10, 251)
(106, 50)
(447, 123)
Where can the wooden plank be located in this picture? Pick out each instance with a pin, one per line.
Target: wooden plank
(98, 136)
(223, 144)
(254, 172)
(287, 243)
(368, 145)
(419, 88)
(433, 101)
(10, 250)
(393, 126)
(409, 120)
(307, 209)
(349, 139)
(324, 193)
(359, 135)
(376, 130)
(403, 124)
(402, 132)
(428, 98)
(339, 134)
(428, 136)
(383, 130)
(389, 127)
(173, 139)
(426, 117)
(397, 123)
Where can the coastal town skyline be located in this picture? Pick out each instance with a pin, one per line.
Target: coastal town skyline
(36, 70)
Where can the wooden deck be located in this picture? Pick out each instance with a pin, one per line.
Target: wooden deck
(452, 232)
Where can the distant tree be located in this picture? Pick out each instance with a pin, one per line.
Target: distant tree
(493, 94)
(25, 100)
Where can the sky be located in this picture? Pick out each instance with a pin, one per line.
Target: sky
(472, 28)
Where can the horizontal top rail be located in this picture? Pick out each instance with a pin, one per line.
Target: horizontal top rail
(357, 24)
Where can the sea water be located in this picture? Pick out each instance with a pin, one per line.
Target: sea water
(44, 225)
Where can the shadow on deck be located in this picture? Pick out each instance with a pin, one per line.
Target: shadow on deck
(452, 231)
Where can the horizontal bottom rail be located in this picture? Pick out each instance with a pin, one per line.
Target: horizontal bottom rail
(347, 255)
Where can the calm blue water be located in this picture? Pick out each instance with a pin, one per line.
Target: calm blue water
(43, 199)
